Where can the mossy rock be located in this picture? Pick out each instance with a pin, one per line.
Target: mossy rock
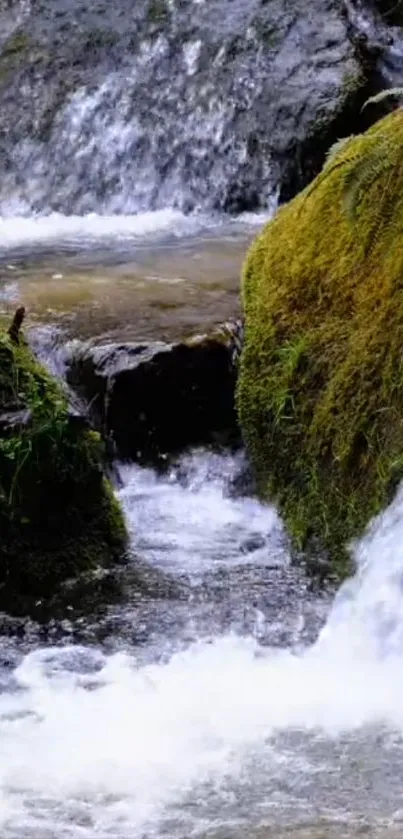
(58, 514)
(320, 393)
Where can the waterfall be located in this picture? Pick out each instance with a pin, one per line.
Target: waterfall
(189, 105)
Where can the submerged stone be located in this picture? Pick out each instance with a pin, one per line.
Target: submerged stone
(320, 393)
(58, 514)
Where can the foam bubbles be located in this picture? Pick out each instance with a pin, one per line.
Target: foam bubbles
(99, 745)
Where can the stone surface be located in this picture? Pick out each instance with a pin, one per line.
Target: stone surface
(122, 107)
(158, 398)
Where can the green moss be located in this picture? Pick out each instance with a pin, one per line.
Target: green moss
(353, 81)
(100, 39)
(17, 43)
(19, 48)
(158, 11)
(320, 393)
(58, 514)
(114, 515)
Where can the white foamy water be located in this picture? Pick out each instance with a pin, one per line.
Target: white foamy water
(94, 746)
(92, 230)
(187, 521)
(56, 229)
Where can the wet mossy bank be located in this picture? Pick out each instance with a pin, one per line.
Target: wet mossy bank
(58, 514)
(320, 392)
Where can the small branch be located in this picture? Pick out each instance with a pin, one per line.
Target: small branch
(14, 331)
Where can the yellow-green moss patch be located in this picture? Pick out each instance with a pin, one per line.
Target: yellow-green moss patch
(320, 393)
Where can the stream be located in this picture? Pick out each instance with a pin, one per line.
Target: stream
(158, 275)
(229, 699)
(213, 690)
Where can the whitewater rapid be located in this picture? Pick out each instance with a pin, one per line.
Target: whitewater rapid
(80, 231)
(58, 232)
(224, 731)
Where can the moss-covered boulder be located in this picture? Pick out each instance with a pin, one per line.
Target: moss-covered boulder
(58, 514)
(320, 394)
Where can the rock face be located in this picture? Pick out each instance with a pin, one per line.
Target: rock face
(320, 392)
(159, 398)
(391, 12)
(123, 107)
(58, 515)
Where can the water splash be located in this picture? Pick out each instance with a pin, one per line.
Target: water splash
(188, 521)
(380, 37)
(25, 236)
(224, 732)
(85, 231)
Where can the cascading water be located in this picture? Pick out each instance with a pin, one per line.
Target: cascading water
(229, 732)
(214, 698)
(166, 104)
(382, 33)
(139, 115)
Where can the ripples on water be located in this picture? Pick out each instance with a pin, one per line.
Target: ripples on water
(226, 714)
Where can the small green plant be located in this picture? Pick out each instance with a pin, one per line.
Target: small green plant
(289, 356)
(336, 148)
(158, 11)
(362, 170)
(17, 43)
(368, 167)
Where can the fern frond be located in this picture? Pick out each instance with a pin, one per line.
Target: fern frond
(327, 170)
(336, 148)
(332, 163)
(362, 172)
(361, 177)
(382, 212)
(396, 92)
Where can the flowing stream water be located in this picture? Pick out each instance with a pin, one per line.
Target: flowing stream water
(224, 696)
(230, 699)
(214, 692)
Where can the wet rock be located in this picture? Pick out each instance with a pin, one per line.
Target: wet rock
(15, 420)
(122, 107)
(155, 399)
(390, 10)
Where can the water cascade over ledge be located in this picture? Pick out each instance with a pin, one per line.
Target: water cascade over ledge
(92, 98)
